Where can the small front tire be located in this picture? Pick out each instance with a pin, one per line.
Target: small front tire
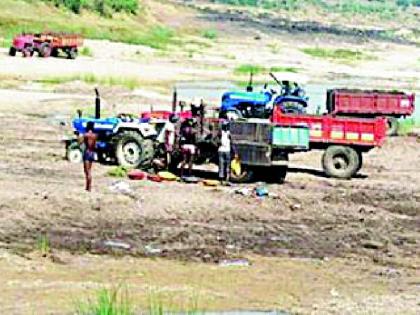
(74, 153)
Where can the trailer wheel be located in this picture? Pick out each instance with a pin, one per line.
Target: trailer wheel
(72, 53)
(74, 153)
(393, 125)
(131, 150)
(12, 51)
(341, 161)
(45, 50)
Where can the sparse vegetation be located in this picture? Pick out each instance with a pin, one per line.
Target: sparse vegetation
(407, 125)
(100, 6)
(209, 34)
(113, 301)
(86, 51)
(43, 244)
(246, 69)
(128, 82)
(337, 54)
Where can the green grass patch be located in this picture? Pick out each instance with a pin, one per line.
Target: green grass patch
(340, 54)
(86, 51)
(130, 83)
(209, 34)
(114, 301)
(43, 244)
(406, 126)
(246, 69)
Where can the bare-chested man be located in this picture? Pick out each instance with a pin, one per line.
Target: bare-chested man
(89, 142)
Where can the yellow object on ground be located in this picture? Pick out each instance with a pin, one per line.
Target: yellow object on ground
(210, 182)
(235, 166)
(167, 176)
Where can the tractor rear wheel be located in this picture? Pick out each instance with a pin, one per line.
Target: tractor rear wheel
(45, 50)
(392, 123)
(12, 51)
(341, 161)
(131, 150)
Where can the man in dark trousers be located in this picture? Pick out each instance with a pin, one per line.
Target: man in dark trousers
(88, 142)
(188, 139)
(224, 153)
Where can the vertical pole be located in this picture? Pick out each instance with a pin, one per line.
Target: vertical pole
(97, 104)
(174, 100)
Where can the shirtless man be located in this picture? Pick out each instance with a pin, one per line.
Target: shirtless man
(89, 143)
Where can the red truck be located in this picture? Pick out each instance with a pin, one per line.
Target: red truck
(370, 104)
(46, 44)
(344, 139)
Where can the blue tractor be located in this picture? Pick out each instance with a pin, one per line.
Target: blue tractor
(250, 104)
(122, 139)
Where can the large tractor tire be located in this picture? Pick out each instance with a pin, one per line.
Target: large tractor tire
(45, 50)
(392, 123)
(54, 53)
(131, 150)
(72, 53)
(12, 51)
(341, 161)
(74, 153)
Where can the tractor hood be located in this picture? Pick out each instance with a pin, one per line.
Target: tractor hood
(232, 99)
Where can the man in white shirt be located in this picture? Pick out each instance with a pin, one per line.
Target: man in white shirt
(167, 137)
(224, 153)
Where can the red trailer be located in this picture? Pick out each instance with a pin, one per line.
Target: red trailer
(368, 104)
(46, 44)
(343, 139)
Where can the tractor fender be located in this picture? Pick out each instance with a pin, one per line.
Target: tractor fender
(146, 130)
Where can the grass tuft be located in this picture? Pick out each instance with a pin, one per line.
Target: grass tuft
(209, 34)
(86, 51)
(340, 54)
(43, 244)
(114, 301)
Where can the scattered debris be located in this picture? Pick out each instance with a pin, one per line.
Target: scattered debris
(261, 190)
(370, 244)
(117, 244)
(137, 175)
(118, 171)
(149, 249)
(295, 207)
(235, 263)
(120, 187)
(168, 176)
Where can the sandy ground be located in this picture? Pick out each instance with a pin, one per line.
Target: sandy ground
(322, 246)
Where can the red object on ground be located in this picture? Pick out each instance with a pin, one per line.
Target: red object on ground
(136, 175)
(369, 103)
(326, 130)
(154, 178)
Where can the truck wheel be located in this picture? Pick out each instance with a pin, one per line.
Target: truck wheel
(131, 150)
(392, 123)
(74, 153)
(45, 50)
(245, 175)
(27, 52)
(278, 174)
(340, 161)
(12, 51)
(54, 52)
(72, 53)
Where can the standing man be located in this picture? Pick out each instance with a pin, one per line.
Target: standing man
(224, 153)
(188, 139)
(167, 137)
(88, 142)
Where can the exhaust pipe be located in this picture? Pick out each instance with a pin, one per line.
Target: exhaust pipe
(174, 100)
(97, 105)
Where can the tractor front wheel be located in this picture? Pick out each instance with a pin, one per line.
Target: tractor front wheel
(74, 153)
(341, 161)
